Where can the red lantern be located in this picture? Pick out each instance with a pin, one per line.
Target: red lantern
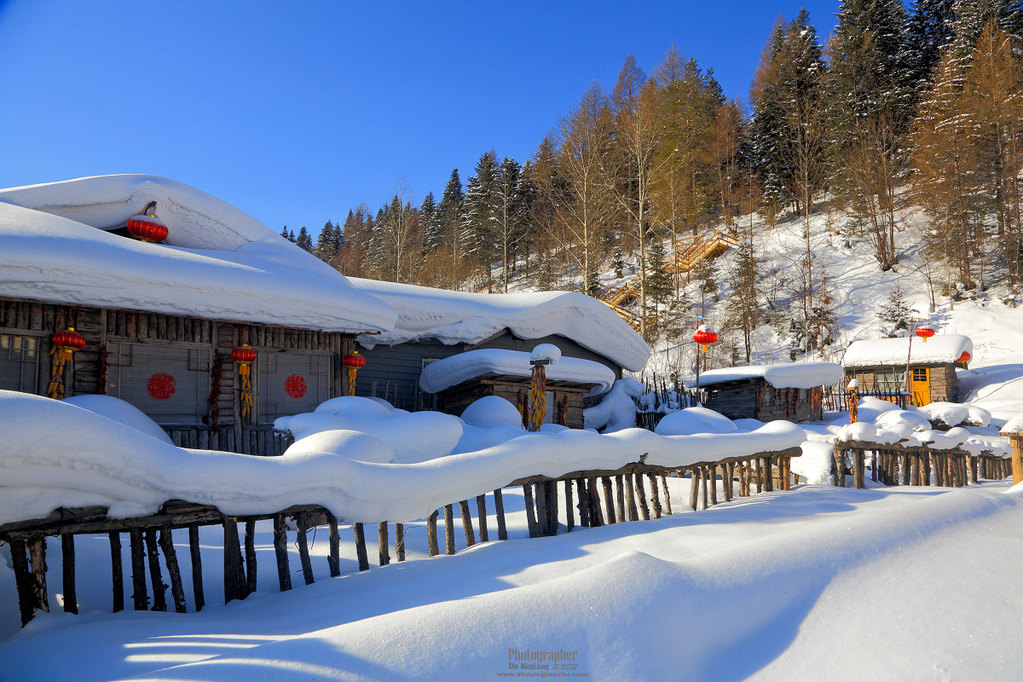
(147, 228)
(245, 356)
(924, 333)
(353, 362)
(70, 340)
(64, 345)
(965, 357)
(705, 335)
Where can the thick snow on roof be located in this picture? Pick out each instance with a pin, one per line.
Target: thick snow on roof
(462, 317)
(894, 352)
(794, 375)
(453, 370)
(217, 262)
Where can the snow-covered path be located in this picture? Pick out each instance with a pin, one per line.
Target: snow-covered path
(821, 582)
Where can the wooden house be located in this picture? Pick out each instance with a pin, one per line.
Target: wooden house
(435, 324)
(459, 380)
(791, 391)
(879, 366)
(160, 321)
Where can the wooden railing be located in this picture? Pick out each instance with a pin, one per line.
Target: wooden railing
(593, 498)
(906, 465)
(256, 439)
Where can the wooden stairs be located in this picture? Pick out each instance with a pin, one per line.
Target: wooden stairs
(688, 252)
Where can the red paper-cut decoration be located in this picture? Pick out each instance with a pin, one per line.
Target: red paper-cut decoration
(161, 386)
(295, 386)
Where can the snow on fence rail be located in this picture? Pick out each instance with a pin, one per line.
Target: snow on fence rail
(897, 464)
(629, 493)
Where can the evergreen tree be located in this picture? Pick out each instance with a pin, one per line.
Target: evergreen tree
(480, 220)
(895, 314)
(284, 233)
(328, 244)
(743, 305)
(768, 129)
(429, 216)
(304, 240)
(869, 99)
(449, 218)
(928, 31)
(509, 218)
(658, 279)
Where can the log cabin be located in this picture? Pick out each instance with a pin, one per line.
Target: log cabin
(159, 320)
(790, 391)
(434, 324)
(880, 365)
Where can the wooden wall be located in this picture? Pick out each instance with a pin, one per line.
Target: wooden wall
(944, 383)
(102, 327)
(755, 399)
(567, 400)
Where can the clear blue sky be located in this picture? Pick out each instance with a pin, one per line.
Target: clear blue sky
(296, 111)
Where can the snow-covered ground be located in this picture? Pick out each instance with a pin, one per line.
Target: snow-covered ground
(816, 583)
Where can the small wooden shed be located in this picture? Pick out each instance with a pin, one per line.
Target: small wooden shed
(434, 324)
(879, 365)
(461, 379)
(791, 391)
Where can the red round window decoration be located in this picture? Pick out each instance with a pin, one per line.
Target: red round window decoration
(295, 386)
(161, 386)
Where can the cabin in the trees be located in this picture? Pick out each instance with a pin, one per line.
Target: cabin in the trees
(435, 324)
(793, 391)
(459, 380)
(160, 320)
(879, 366)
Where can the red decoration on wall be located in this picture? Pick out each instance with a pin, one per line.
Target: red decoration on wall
(161, 386)
(295, 386)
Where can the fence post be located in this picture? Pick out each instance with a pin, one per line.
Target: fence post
(1016, 439)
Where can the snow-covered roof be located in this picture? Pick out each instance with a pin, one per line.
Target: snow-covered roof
(461, 317)
(940, 348)
(789, 375)
(216, 263)
(453, 370)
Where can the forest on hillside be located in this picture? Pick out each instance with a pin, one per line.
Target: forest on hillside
(921, 106)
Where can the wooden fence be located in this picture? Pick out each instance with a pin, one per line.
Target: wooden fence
(593, 498)
(904, 465)
(258, 439)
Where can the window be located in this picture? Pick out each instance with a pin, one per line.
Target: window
(19, 363)
(170, 383)
(889, 380)
(919, 374)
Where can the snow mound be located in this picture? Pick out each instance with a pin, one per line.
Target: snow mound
(490, 411)
(617, 410)
(472, 364)
(119, 411)
(360, 447)
(460, 317)
(954, 414)
(694, 420)
(355, 407)
(545, 351)
(892, 419)
(815, 463)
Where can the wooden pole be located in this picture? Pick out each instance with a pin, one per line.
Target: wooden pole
(431, 534)
(281, 553)
(232, 561)
(667, 495)
(250, 556)
(155, 577)
(399, 541)
(619, 498)
(569, 508)
(527, 496)
(116, 571)
(22, 580)
(67, 546)
(655, 496)
(542, 515)
(481, 517)
(449, 530)
(383, 542)
(334, 554)
(198, 594)
(303, 547)
(595, 513)
(173, 570)
(609, 499)
(360, 546)
(502, 525)
(644, 508)
(694, 487)
(1016, 439)
(138, 570)
(584, 502)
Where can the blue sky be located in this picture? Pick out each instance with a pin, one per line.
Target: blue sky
(296, 111)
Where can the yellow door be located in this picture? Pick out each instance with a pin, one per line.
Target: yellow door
(921, 386)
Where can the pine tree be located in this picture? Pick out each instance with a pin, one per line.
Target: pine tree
(509, 219)
(479, 223)
(895, 314)
(449, 216)
(304, 240)
(284, 233)
(768, 130)
(743, 305)
(328, 244)
(869, 100)
(928, 31)
(429, 216)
